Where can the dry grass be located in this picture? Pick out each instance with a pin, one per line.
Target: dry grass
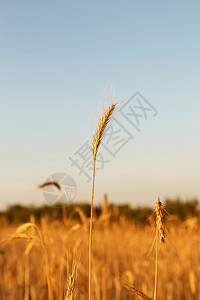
(119, 255)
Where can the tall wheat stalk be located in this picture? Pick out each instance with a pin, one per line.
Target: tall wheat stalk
(160, 231)
(97, 138)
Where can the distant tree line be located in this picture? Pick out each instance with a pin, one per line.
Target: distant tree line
(182, 209)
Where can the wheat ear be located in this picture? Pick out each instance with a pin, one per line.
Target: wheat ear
(160, 230)
(71, 287)
(96, 141)
(101, 129)
(160, 220)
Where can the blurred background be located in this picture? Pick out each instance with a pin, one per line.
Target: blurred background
(56, 57)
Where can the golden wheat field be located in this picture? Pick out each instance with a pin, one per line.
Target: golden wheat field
(49, 260)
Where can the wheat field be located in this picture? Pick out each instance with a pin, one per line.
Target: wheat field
(123, 253)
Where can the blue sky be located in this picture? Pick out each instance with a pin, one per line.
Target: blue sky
(55, 59)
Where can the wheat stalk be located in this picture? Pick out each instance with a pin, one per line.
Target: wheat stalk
(97, 138)
(27, 270)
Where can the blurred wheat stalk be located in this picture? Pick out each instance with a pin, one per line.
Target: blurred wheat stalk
(23, 234)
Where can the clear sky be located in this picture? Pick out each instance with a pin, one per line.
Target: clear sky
(55, 59)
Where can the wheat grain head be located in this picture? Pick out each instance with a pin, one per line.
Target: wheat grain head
(102, 124)
(160, 220)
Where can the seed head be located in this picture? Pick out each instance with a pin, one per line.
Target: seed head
(102, 124)
(160, 220)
